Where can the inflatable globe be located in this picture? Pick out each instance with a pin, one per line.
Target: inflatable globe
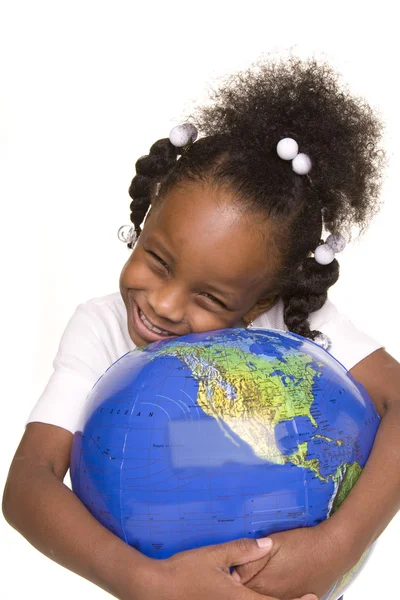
(211, 437)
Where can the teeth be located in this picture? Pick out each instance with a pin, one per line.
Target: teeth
(151, 326)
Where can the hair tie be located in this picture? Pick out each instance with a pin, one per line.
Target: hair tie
(182, 135)
(127, 234)
(288, 149)
(323, 340)
(325, 253)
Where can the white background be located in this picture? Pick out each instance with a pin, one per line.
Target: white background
(87, 87)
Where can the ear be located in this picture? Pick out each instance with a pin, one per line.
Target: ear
(259, 308)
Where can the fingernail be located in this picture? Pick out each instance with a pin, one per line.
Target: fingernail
(264, 543)
(235, 575)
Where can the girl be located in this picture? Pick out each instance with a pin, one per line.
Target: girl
(234, 236)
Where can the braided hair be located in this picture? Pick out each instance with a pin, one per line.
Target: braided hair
(251, 112)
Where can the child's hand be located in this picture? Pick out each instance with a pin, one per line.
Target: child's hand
(200, 574)
(302, 560)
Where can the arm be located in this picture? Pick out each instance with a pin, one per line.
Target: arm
(316, 557)
(52, 518)
(375, 499)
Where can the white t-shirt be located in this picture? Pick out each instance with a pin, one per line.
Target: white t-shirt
(97, 335)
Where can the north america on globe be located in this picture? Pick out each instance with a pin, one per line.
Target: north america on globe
(237, 387)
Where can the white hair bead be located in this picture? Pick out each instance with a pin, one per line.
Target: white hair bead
(287, 149)
(336, 242)
(324, 254)
(181, 135)
(127, 234)
(301, 164)
(323, 340)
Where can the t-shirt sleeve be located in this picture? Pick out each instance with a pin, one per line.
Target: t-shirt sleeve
(81, 359)
(349, 345)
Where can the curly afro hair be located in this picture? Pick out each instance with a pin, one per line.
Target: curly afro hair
(250, 113)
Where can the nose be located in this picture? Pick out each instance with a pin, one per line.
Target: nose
(168, 301)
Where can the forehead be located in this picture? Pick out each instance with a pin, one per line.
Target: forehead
(201, 225)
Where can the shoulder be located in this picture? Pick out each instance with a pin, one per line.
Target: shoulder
(274, 319)
(95, 336)
(109, 307)
(327, 313)
(349, 345)
(103, 321)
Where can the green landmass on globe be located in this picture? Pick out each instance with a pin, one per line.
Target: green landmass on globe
(237, 387)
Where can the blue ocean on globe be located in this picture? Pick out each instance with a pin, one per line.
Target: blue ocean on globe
(215, 436)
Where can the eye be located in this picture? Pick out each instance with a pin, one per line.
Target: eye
(158, 259)
(214, 299)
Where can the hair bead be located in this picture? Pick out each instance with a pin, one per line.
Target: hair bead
(127, 234)
(288, 149)
(323, 340)
(301, 164)
(324, 254)
(336, 241)
(181, 135)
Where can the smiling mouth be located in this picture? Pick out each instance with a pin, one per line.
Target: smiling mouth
(152, 327)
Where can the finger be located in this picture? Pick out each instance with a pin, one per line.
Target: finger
(251, 595)
(244, 573)
(306, 597)
(259, 586)
(241, 551)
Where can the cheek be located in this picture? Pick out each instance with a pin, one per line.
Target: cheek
(136, 274)
(204, 321)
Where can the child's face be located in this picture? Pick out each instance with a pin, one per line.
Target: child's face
(199, 265)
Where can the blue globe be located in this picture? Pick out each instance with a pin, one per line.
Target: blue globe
(211, 437)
